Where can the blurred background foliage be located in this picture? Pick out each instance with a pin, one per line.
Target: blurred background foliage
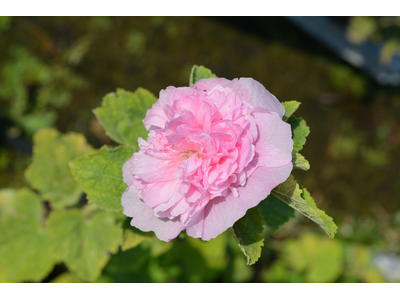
(55, 70)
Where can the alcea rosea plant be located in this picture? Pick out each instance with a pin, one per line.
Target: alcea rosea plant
(207, 158)
(213, 151)
(214, 156)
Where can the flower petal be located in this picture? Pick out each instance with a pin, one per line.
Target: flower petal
(249, 89)
(151, 169)
(144, 219)
(157, 116)
(222, 213)
(274, 144)
(126, 172)
(209, 83)
(258, 95)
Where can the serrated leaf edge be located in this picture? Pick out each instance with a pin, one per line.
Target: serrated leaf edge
(320, 213)
(285, 116)
(296, 156)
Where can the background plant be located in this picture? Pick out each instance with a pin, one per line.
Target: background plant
(350, 144)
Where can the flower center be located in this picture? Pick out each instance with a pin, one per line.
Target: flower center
(185, 155)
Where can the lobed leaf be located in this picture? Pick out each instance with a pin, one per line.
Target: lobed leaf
(199, 72)
(300, 162)
(122, 113)
(100, 175)
(24, 242)
(290, 108)
(83, 244)
(49, 172)
(247, 233)
(275, 212)
(300, 199)
(300, 131)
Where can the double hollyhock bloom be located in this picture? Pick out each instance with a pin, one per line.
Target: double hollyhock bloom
(213, 151)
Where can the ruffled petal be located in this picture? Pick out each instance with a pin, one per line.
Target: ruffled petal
(144, 219)
(255, 93)
(157, 115)
(151, 169)
(222, 213)
(126, 172)
(274, 145)
(249, 89)
(209, 83)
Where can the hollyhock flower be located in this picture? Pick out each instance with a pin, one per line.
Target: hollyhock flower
(213, 151)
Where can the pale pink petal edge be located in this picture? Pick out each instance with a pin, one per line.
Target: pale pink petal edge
(144, 219)
(221, 214)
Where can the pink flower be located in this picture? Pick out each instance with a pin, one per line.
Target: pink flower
(213, 151)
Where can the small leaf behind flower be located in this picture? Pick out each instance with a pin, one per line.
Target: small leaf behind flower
(247, 232)
(300, 199)
(300, 162)
(275, 212)
(121, 114)
(290, 108)
(100, 175)
(300, 131)
(199, 72)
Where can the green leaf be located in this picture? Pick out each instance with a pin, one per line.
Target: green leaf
(100, 175)
(275, 212)
(322, 260)
(213, 251)
(122, 113)
(248, 234)
(300, 199)
(33, 122)
(83, 244)
(277, 273)
(300, 131)
(24, 242)
(132, 239)
(300, 162)
(132, 236)
(290, 108)
(67, 278)
(49, 172)
(199, 72)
